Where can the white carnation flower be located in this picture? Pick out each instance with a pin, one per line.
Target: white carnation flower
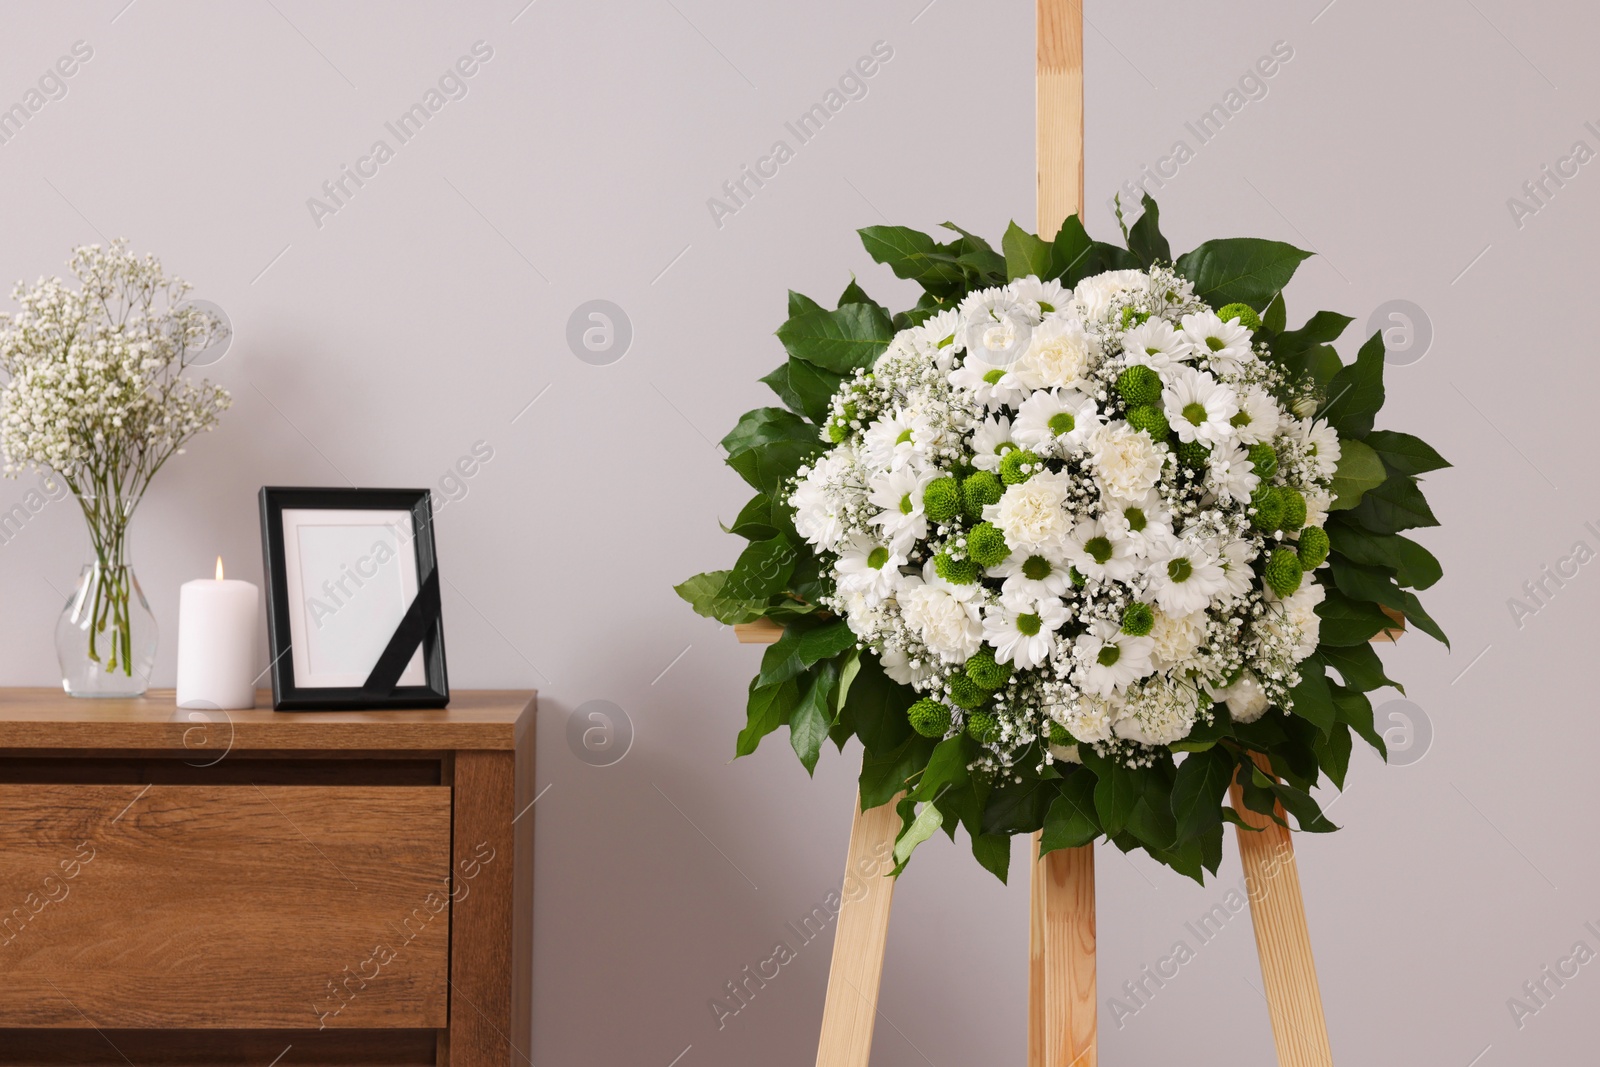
(951, 628)
(1094, 294)
(1126, 462)
(1175, 638)
(1033, 514)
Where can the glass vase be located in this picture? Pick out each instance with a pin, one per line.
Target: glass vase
(106, 636)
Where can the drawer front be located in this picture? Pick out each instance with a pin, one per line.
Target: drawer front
(229, 906)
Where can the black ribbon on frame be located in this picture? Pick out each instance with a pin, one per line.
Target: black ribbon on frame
(420, 617)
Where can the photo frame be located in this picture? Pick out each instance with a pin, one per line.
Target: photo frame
(353, 599)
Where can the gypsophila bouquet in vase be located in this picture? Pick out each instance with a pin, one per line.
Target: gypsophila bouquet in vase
(96, 397)
(1075, 543)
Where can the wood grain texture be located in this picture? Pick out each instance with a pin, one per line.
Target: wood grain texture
(216, 1048)
(1283, 939)
(48, 719)
(522, 892)
(169, 906)
(482, 949)
(859, 938)
(1061, 965)
(1059, 115)
(760, 632)
(1061, 959)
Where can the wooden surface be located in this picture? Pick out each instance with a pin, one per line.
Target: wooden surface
(481, 963)
(1283, 940)
(760, 632)
(1059, 114)
(217, 1048)
(35, 719)
(223, 906)
(1061, 953)
(1061, 958)
(860, 934)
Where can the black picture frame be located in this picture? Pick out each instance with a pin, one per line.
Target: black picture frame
(421, 625)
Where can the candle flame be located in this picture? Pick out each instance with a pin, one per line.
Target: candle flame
(219, 568)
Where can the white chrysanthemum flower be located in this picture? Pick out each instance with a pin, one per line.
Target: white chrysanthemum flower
(990, 384)
(1048, 296)
(1198, 406)
(1258, 417)
(1321, 444)
(898, 497)
(1317, 504)
(1056, 422)
(1224, 345)
(990, 442)
(1094, 294)
(900, 666)
(1033, 514)
(1187, 579)
(1126, 462)
(1089, 718)
(887, 444)
(1176, 637)
(870, 568)
(1110, 660)
(1159, 711)
(1146, 523)
(1237, 577)
(819, 506)
(951, 628)
(1099, 551)
(1023, 633)
(1060, 355)
(1031, 577)
(1155, 343)
(1245, 698)
(1230, 473)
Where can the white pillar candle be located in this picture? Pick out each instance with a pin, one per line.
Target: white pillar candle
(217, 621)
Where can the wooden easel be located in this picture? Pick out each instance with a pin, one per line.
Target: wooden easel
(1061, 950)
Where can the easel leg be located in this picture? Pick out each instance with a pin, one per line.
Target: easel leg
(1061, 960)
(1283, 941)
(1061, 971)
(858, 940)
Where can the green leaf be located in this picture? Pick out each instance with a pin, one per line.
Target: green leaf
(1144, 237)
(1397, 504)
(781, 659)
(1349, 622)
(1115, 794)
(1360, 582)
(768, 709)
(765, 426)
(826, 642)
(1333, 753)
(1276, 316)
(805, 388)
(1313, 701)
(1197, 791)
(809, 721)
(854, 294)
(1071, 822)
(1205, 735)
(1025, 253)
(1322, 328)
(882, 776)
(1355, 711)
(1415, 616)
(840, 341)
(754, 521)
(1356, 392)
(947, 768)
(1073, 255)
(762, 571)
(768, 446)
(994, 852)
(1016, 807)
(704, 594)
(1414, 565)
(877, 707)
(914, 255)
(1359, 469)
(1405, 454)
(799, 302)
(1245, 270)
(925, 825)
(1359, 666)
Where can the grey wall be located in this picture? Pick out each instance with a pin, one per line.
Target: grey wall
(431, 309)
